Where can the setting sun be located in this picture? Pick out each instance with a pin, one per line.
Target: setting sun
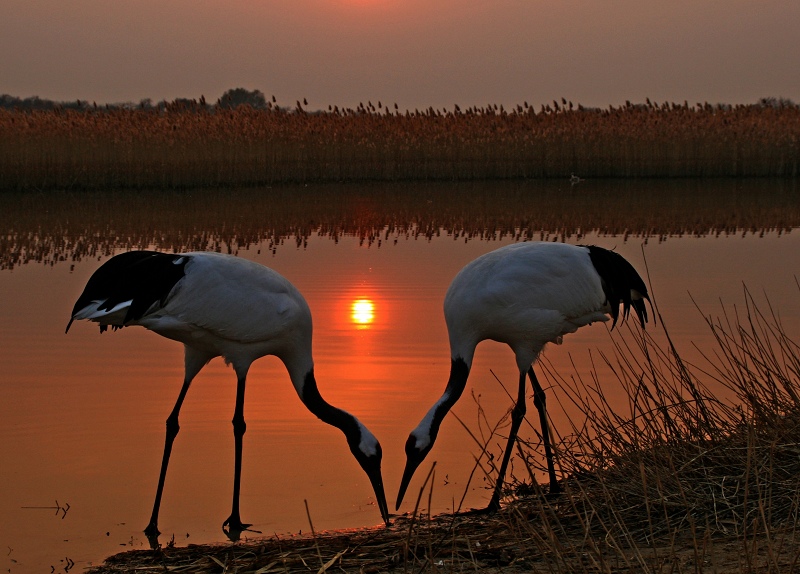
(362, 312)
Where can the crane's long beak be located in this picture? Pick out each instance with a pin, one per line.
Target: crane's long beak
(411, 466)
(376, 479)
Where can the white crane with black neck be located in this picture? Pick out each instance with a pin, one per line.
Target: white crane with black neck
(221, 306)
(525, 295)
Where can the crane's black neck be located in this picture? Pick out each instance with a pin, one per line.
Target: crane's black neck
(327, 413)
(459, 371)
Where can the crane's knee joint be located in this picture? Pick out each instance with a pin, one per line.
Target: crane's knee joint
(239, 426)
(172, 426)
(519, 411)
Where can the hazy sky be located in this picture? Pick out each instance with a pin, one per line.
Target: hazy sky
(416, 53)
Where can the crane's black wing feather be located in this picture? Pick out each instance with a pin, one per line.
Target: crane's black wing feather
(142, 277)
(619, 278)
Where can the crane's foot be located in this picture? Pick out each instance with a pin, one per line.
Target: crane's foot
(493, 506)
(152, 533)
(233, 528)
(553, 493)
(476, 511)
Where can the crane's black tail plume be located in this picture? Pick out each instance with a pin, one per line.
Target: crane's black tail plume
(141, 277)
(621, 284)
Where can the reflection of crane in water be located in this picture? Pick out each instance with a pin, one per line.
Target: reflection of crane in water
(220, 305)
(525, 295)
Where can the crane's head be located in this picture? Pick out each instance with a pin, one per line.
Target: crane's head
(367, 451)
(418, 446)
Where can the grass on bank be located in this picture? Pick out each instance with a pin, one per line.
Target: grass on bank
(684, 481)
(194, 145)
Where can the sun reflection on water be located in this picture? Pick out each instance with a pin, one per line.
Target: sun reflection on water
(362, 312)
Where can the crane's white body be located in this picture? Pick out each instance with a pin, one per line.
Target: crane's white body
(228, 307)
(525, 295)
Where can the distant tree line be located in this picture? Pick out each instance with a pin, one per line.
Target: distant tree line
(236, 97)
(232, 98)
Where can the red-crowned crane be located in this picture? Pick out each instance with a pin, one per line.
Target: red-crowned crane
(221, 306)
(525, 295)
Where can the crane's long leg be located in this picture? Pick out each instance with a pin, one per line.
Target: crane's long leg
(539, 402)
(234, 522)
(517, 415)
(172, 431)
(193, 362)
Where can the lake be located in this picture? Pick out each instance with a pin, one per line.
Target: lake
(82, 415)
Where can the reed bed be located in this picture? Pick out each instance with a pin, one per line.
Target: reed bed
(188, 145)
(681, 481)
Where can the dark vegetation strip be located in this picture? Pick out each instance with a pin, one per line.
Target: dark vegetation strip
(190, 144)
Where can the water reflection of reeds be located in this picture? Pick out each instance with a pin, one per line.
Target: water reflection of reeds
(60, 226)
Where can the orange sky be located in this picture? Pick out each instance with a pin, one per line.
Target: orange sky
(411, 52)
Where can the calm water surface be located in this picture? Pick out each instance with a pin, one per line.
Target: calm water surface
(82, 415)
